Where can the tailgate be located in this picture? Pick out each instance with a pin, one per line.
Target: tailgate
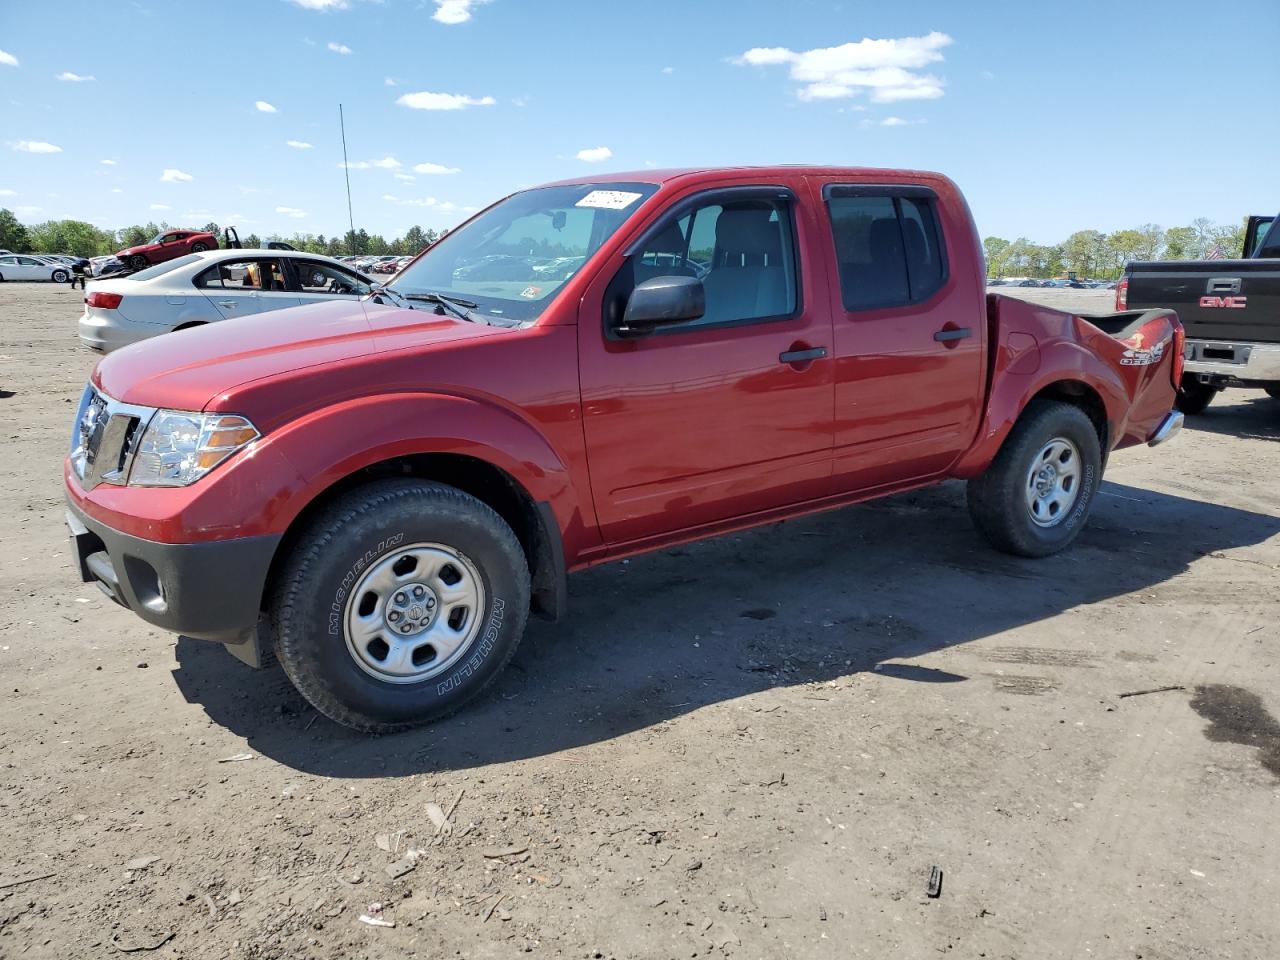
(1231, 300)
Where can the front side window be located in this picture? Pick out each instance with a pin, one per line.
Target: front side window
(513, 258)
(742, 249)
(243, 275)
(888, 249)
(315, 276)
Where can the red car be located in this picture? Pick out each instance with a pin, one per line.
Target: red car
(390, 486)
(167, 246)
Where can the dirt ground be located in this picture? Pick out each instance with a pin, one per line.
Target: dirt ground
(754, 747)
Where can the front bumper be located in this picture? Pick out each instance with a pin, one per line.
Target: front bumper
(208, 591)
(1229, 363)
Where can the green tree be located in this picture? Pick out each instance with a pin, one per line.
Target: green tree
(212, 227)
(1080, 252)
(1152, 241)
(1179, 243)
(70, 236)
(13, 235)
(252, 241)
(1126, 245)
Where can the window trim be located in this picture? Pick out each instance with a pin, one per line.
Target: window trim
(195, 280)
(897, 192)
(691, 203)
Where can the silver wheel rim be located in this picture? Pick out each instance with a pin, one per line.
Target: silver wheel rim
(414, 613)
(1053, 482)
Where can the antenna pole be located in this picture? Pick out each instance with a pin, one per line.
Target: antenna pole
(346, 170)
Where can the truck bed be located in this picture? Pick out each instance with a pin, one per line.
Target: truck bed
(1225, 300)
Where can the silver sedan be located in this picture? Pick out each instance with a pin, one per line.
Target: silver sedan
(210, 286)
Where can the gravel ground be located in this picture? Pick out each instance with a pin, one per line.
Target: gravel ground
(752, 747)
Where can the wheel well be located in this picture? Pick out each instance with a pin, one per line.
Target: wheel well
(188, 326)
(533, 525)
(1081, 395)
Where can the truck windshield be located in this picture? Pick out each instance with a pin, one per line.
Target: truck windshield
(512, 259)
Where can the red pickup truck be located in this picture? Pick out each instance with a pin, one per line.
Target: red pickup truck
(382, 490)
(167, 246)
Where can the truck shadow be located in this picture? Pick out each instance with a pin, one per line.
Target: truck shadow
(811, 600)
(1254, 417)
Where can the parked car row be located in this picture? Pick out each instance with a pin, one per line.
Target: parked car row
(25, 266)
(382, 491)
(378, 264)
(1059, 282)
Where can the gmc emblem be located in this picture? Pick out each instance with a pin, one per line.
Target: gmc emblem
(1223, 303)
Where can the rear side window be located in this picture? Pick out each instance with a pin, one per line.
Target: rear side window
(888, 248)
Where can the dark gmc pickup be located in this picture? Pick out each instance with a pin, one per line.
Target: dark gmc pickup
(1230, 309)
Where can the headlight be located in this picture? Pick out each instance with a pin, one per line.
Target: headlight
(179, 448)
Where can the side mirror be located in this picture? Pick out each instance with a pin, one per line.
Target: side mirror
(662, 301)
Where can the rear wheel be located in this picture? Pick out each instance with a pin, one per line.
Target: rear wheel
(399, 603)
(1194, 396)
(1036, 495)
(60, 276)
(199, 247)
(137, 262)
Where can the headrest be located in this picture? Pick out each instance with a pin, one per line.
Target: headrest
(748, 230)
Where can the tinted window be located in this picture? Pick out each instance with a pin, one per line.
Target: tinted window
(742, 250)
(887, 249)
(160, 269)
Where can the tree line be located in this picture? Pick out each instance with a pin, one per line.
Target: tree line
(1097, 255)
(80, 239)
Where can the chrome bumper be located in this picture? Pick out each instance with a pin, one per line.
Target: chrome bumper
(1169, 428)
(1234, 360)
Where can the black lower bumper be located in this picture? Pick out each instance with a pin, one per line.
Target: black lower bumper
(209, 591)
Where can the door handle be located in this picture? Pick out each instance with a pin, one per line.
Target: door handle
(956, 333)
(802, 356)
(229, 304)
(1224, 285)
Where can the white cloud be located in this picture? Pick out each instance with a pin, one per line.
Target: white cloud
(172, 175)
(8, 193)
(116, 190)
(298, 144)
(434, 169)
(264, 107)
(8, 59)
(898, 122)
(390, 81)
(386, 163)
(27, 210)
(443, 101)
(595, 154)
(70, 77)
(986, 75)
(160, 206)
(424, 202)
(36, 146)
(321, 4)
(341, 48)
(886, 68)
(455, 11)
(405, 177)
(668, 70)
(291, 212)
(109, 163)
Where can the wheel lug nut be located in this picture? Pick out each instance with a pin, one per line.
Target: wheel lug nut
(393, 616)
(400, 598)
(406, 628)
(430, 604)
(418, 591)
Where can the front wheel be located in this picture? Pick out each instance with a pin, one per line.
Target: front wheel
(60, 276)
(400, 603)
(1035, 496)
(1194, 396)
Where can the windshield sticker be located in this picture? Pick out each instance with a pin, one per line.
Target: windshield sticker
(609, 199)
(531, 293)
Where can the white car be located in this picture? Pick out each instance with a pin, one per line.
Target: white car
(21, 266)
(210, 286)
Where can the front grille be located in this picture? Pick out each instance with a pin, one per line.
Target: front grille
(105, 438)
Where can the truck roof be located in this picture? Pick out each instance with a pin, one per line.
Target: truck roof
(802, 169)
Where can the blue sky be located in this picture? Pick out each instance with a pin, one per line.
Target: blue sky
(1051, 117)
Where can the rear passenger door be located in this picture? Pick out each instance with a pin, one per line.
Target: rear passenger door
(239, 288)
(909, 333)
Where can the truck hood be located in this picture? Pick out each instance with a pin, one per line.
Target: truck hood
(188, 369)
